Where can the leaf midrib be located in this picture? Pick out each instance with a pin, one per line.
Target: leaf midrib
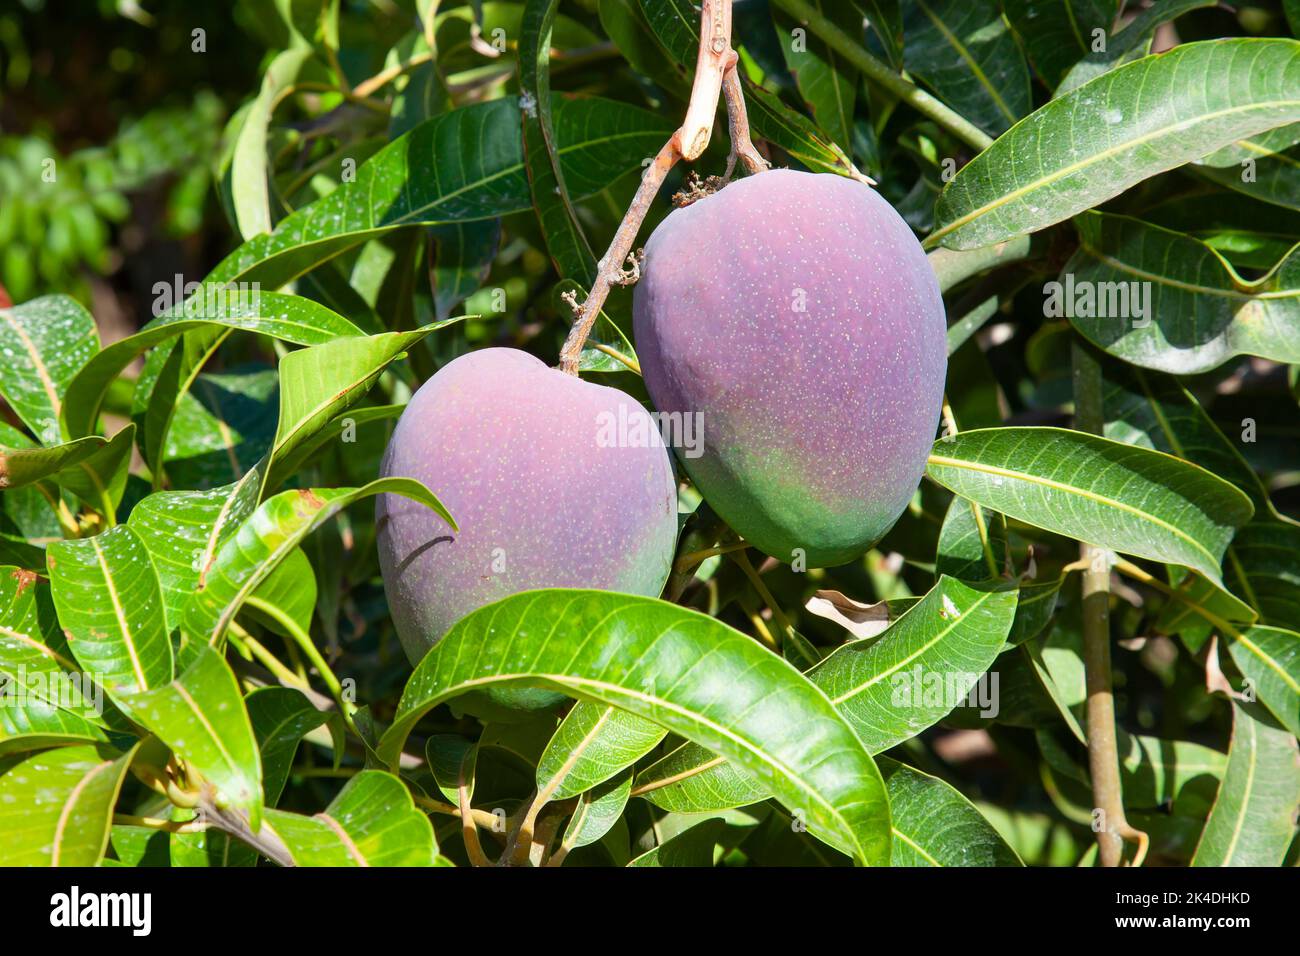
(1072, 489)
(1101, 156)
(615, 690)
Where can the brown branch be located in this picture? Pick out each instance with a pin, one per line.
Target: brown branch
(742, 146)
(716, 62)
(1112, 826)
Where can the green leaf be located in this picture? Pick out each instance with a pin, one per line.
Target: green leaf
(111, 609)
(267, 537)
(953, 267)
(43, 344)
(693, 847)
(909, 678)
(689, 673)
(219, 428)
(372, 822)
(463, 256)
(21, 466)
(1253, 820)
(452, 760)
(34, 655)
(317, 384)
(934, 825)
(32, 723)
(1098, 140)
(339, 429)
(593, 744)
(598, 810)
(287, 597)
(889, 689)
(201, 717)
(561, 229)
(56, 807)
(1274, 174)
(628, 29)
(1270, 658)
(280, 717)
(215, 313)
(963, 50)
(99, 479)
(1263, 561)
(1133, 38)
(1058, 33)
(827, 82)
(781, 126)
(1155, 411)
(1199, 313)
(248, 168)
(693, 779)
(972, 542)
(464, 165)
(1111, 495)
(1264, 565)
(1198, 607)
(183, 532)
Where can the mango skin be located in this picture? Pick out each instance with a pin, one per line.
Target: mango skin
(512, 448)
(816, 423)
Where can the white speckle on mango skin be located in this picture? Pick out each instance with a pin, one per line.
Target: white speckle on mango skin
(798, 313)
(512, 448)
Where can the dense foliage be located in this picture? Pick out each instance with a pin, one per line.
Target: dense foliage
(196, 655)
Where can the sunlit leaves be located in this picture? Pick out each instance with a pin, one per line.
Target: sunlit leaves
(110, 607)
(267, 537)
(888, 688)
(1111, 495)
(43, 344)
(924, 665)
(22, 465)
(677, 668)
(464, 165)
(317, 384)
(34, 654)
(56, 807)
(214, 312)
(183, 531)
(592, 744)
(1096, 141)
(201, 716)
(372, 822)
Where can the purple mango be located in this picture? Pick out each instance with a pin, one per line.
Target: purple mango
(797, 314)
(529, 462)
